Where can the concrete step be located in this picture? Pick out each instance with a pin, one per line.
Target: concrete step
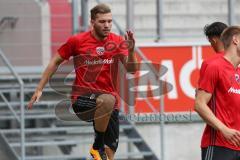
(191, 7)
(47, 116)
(176, 21)
(179, 7)
(148, 7)
(3, 154)
(191, 21)
(57, 157)
(67, 142)
(16, 104)
(85, 128)
(5, 151)
(75, 157)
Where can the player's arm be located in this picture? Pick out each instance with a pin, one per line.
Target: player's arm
(205, 112)
(131, 60)
(48, 72)
(202, 70)
(201, 107)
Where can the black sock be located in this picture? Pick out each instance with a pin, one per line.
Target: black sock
(99, 140)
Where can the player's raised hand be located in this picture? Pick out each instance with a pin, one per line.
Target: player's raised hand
(35, 98)
(129, 37)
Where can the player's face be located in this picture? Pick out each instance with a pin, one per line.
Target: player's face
(213, 42)
(238, 44)
(102, 25)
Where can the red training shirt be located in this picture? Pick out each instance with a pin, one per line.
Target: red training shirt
(205, 62)
(222, 80)
(95, 62)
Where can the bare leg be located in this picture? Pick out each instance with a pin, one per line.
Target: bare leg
(104, 108)
(110, 153)
(105, 105)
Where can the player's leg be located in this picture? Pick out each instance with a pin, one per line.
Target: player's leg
(105, 105)
(104, 108)
(96, 108)
(218, 153)
(238, 155)
(84, 107)
(111, 138)
(110, 153)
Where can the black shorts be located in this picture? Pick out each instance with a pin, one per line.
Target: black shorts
(85, 107)
(219, 153)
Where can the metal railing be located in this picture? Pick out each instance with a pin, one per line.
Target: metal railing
(21, 120)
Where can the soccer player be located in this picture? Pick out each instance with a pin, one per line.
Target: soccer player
(96, 54)
(218, 100)
(213, 33)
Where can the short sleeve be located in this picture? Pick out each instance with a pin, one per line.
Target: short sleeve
(209, 75)
(123, 46)
(67, 49)
(203, 68)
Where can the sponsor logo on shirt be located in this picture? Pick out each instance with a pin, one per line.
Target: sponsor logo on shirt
(234, 90)
(99, 61)
(100, 50)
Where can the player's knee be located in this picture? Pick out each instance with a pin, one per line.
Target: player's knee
(108, 101)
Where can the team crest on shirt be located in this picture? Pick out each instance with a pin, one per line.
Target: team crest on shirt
(100, 50)
(237, 78)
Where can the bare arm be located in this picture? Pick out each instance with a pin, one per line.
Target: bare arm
(51, 68)
(201, 107)
(131, 60)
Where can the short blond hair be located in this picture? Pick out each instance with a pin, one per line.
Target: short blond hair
(100, 8)
(227, 35)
